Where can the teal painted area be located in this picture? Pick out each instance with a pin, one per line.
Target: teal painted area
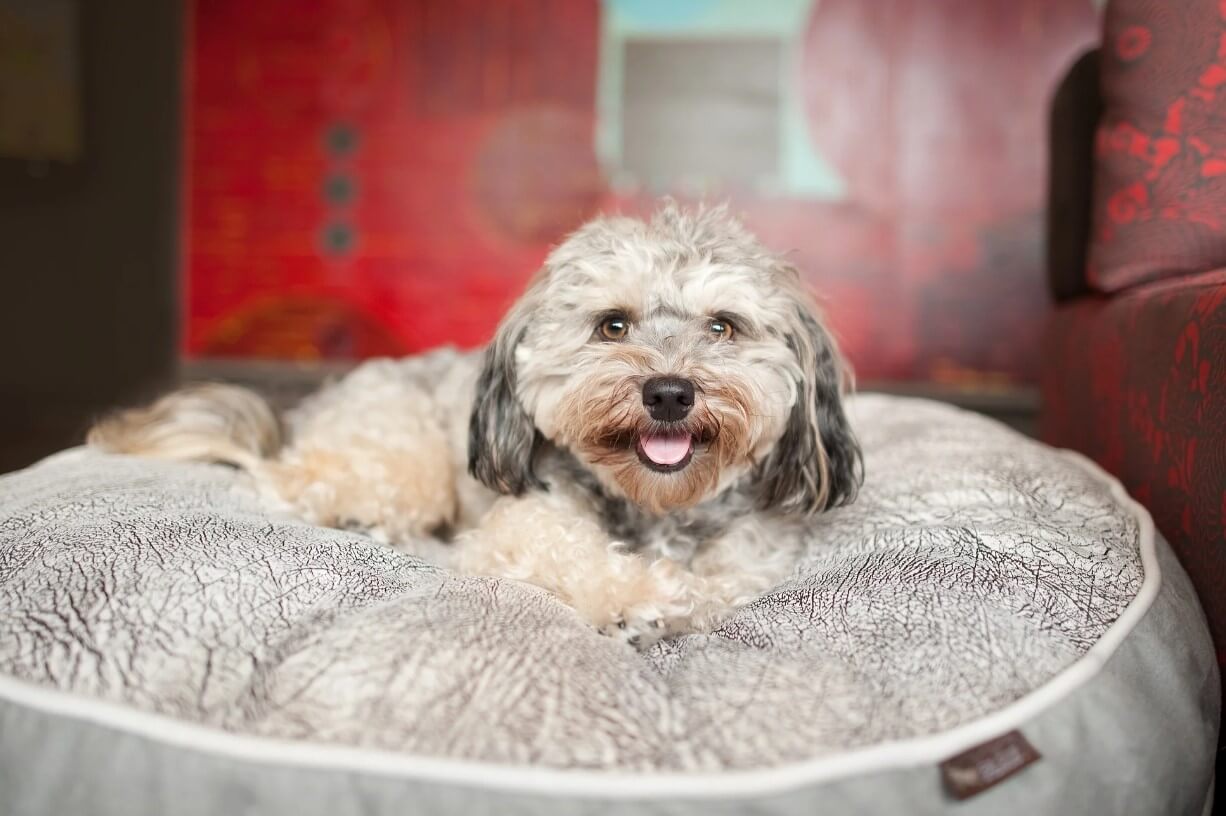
(691, 18)
(660, 14)
(609, 75)
(803, 173)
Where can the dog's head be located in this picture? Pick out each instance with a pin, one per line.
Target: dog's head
(672, 358)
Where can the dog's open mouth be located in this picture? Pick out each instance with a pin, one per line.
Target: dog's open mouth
(665, 452)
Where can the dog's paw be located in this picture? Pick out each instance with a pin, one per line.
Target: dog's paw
(638, 631)
(654, 604)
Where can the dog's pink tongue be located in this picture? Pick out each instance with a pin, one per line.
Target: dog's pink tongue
(666, 449)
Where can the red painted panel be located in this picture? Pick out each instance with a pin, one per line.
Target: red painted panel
(451, 108)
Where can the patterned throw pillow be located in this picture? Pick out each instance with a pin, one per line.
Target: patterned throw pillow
(1160, 188)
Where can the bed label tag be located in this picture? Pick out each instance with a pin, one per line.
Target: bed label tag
(974, 771)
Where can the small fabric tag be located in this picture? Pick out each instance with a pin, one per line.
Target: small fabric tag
(974, 771)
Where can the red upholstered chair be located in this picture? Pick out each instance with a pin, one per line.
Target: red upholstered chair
(1134, 357)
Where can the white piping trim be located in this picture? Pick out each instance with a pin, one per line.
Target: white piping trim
(613, 785)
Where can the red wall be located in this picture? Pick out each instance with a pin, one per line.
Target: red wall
(472, 150)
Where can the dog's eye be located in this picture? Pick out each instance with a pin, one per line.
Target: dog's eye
(721, 329)
(614, 327)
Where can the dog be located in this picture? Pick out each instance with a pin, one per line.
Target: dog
(647, 437)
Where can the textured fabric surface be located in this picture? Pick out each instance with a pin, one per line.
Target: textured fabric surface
(974, 567)
(1160, 188)
(1140, 732)
(1141, 388)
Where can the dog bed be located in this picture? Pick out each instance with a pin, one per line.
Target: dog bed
(168, 646)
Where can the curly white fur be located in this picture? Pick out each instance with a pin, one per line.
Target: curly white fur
(534, 459)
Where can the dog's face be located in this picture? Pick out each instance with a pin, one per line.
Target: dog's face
(672, 359)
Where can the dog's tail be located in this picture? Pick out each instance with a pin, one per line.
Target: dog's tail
(210, 422)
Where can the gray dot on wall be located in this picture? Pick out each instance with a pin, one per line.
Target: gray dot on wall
(341, 139)
(338, 239)
(340, 189)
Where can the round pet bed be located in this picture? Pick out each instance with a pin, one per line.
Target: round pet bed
(992, 627)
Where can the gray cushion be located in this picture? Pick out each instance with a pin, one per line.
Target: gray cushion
(161, 633)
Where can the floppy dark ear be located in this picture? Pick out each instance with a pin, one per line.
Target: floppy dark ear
(817, 463)
(502, 439)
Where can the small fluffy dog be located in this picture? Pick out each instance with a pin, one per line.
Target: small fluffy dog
(654, 422)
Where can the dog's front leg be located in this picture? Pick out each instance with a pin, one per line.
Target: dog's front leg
(553, 542)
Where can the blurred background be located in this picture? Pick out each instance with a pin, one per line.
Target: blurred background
(267, 191)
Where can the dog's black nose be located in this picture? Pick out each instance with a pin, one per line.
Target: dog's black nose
(668, 399)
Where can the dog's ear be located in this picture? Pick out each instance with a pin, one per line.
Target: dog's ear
(502, 438)
(817, 463)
